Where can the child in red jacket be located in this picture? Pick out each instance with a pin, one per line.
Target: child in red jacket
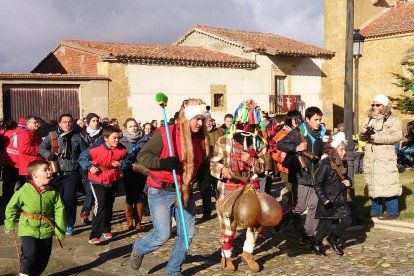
(104, 164)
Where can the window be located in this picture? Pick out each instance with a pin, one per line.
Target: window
(280, 85)
(218, 97)
(218, 100)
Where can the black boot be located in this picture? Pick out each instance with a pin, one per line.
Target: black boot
(317, 248)
(297, 223)
(335, 244)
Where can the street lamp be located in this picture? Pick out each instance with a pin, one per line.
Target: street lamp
(348, 91)
(357, 48)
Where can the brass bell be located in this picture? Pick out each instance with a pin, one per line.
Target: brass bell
(271, 210)
(54, 166)
(247, 211)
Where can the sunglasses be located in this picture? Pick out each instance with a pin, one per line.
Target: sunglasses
(376, 105)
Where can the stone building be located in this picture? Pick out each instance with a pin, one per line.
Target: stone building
(221, 66)
(388, 27)
(50, 95)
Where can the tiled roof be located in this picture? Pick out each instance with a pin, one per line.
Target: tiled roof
(397, 20)
(161, 54)
(261, 42)
(38, 76)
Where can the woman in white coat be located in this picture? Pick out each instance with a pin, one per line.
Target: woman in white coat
(382, 181)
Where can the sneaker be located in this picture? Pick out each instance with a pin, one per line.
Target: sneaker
(135, 260)
(85, 217)
(107, 236)
(69, 230)
(94, 241)
(387, 217)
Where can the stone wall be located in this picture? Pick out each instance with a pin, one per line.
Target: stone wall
(119, 90)
(380, 58)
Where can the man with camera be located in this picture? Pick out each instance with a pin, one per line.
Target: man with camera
(303, 146)
(64, 147)
(382, 181)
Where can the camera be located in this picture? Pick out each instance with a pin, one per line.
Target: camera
(366, 137)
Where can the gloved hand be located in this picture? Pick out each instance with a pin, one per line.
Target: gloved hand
(6, 231)
(134, 148)
(169, 163)
(328, 205)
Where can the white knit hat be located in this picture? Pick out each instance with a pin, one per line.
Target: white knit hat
(191, 111)
(338, 139)
(382, 99)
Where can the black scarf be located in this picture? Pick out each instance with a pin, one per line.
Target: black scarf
(65, 150)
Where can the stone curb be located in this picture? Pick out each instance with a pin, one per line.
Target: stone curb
(394, 225)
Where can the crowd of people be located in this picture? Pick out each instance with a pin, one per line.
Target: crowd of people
(48, 163)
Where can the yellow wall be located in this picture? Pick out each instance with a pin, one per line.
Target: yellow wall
(380, 58)
(119, 90)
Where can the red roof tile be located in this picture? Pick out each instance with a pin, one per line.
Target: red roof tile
(262, 42)
(161, 54)
(38, 76)
(397, 20)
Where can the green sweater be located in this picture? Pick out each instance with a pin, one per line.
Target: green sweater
(48, 203)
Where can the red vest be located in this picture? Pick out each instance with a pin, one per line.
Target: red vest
(167, 176)
(28, 142)
(102, 158)
(10, 147)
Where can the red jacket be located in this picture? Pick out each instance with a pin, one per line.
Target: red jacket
(28, 143)
(102, 157)
(167, 176)
(10, 147)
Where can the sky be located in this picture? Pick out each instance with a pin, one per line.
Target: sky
(29, 30)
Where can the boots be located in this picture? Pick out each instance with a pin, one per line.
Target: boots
(140, 211)
(297, 223)
(317, 248)
(335, 244)
(129, 216)
(248, 259)
(227, 264)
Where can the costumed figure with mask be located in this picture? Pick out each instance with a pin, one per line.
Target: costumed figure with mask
(237, 159)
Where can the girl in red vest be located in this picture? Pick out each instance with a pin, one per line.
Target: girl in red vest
(104, 164)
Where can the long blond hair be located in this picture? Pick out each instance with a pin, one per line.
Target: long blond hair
(187, 150)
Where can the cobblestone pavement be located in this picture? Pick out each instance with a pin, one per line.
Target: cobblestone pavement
(369, 251)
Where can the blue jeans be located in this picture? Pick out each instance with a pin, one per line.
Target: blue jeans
(89, 200)
(391, 205)
(163, 207)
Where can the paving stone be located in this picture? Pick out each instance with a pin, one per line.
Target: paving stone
(368, 252)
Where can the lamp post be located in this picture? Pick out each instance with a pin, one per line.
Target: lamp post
(358, 47)
(348, 102)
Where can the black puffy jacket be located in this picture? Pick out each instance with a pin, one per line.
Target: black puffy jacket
(288, 145)
(328, 185)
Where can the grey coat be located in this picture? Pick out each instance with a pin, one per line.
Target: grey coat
(69, 164)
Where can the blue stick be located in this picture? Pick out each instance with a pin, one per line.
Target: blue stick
(177, 187)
